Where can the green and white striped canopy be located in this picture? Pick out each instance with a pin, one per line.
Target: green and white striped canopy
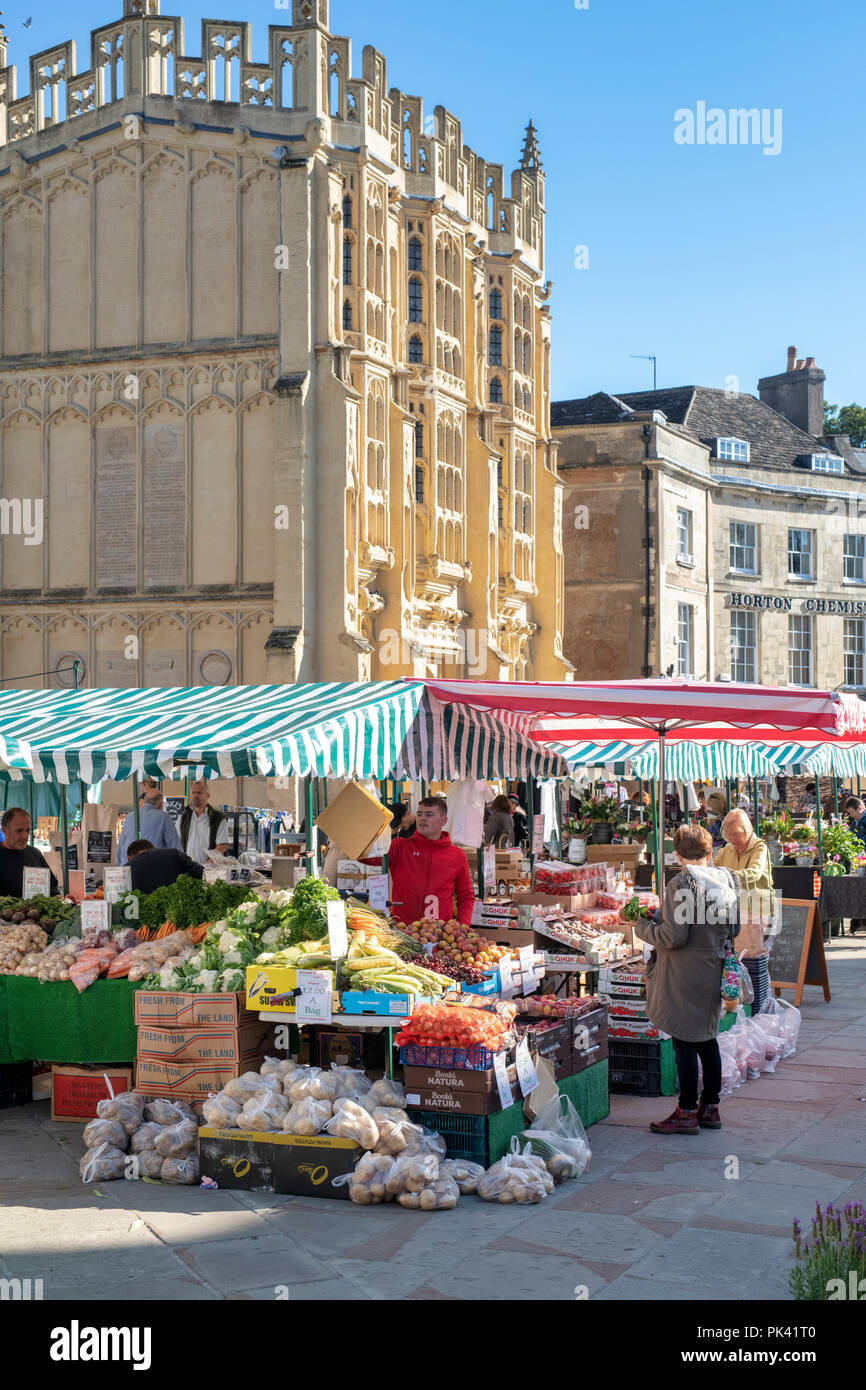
(824, 760)
(356, 729)
(684, 761)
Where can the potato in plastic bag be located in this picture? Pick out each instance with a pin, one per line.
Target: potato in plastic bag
(466, 1175)
(514, 1179)
(150, 1163)
(102, 1164)
(307, 1116)
(297, 1085)
(165, 1112)
(351, 1081)
(250, 1083)
(367, 1182)
(411, 1174)
(264, 1112)
(442, 1195)
(386, 1093)
(272, 1066)
(221, 1112)
(181, 1169)
(396, 1131)
(145, 1136)
(352, 1121)
(177, 1141)
(128, 1108)
(105, 1132)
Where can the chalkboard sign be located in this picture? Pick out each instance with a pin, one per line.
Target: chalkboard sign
(72, 856)
(99, 846)
(797, 949)
(174, 805)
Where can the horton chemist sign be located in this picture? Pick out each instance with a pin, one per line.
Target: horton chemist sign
(848, 608)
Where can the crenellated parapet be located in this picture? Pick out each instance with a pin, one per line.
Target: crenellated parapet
(139, 65)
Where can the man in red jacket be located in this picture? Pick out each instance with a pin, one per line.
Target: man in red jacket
(428, 872)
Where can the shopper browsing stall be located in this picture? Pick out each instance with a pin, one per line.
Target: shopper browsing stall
(855, 810)
(202, 828)
(154, 824)
(748, 859)
(699, 916)
(499, 829)
(152, 868)
(16, 854)
(428, 872)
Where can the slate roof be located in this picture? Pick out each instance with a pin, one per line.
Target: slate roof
(706, 414)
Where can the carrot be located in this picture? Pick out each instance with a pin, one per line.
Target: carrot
(197, 934)
(143, 933)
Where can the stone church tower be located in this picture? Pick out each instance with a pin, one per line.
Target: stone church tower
(275, 361)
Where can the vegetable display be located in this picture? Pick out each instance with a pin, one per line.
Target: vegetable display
(372, 966)
(185, 903)
(444, 1025)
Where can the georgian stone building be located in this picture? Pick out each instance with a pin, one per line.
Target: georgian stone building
(714, 534)
(275, 359)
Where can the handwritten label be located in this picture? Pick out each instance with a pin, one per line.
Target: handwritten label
(338, 937)
(538, 835)
(313, 1004)
(36, 881)
(500, 1068)
(527, 1076)
(506, 980)
(378, 890)
(95, 914)
(527, 969)
(489, 868)
(116, 881)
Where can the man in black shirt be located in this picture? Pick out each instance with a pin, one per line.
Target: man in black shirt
(16, 854)
(157, 868)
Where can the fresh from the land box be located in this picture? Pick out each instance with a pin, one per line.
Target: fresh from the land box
(76, 1091)
(293, 1164)
(218, 1046)
(191, 1081)
(161, 1009)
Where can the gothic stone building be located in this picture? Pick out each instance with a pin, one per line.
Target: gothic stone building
(275, 358)
(715, 534)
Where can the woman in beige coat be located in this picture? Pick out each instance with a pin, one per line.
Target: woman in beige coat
(748, 859)
(698, 917)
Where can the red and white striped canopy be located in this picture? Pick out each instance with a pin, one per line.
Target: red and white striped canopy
(565, 711)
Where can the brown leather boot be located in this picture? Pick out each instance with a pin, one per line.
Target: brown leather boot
(709, 1117)
(680, 1122)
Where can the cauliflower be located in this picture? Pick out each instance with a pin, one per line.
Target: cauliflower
(195, 961)
(229, 941)
(246, 913)
(233, 958)
(271, 937)
(169, 978)
(231, 981)
(206, 980)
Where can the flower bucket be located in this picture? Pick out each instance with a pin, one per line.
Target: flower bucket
(576, 850)
(602, 832)
(775, 851)
(804, 861)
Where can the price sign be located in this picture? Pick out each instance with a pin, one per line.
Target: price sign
(212, 874)
(95, 914)
(99, 846)
(313, 1004)
(538, 835)
(506, 980)
(116, 882)
(527, 1076)
(378, 891)
(338, 937)
(36, 881)
(489, 868)
(500, 1068)
(477, 917)
(527, 969)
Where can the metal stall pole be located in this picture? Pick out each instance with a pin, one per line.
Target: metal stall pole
(136, 818)
(308, 808)
(835, 796)
(64, 827)
(530, 816)
(756, 804)
(31, 810)
(659, 813)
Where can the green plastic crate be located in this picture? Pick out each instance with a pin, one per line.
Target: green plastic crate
(588, 1092)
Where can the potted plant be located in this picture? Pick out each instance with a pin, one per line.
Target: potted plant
(605, 816)
(803, 837)
(777, 829)
(578, 827)
(842, 847)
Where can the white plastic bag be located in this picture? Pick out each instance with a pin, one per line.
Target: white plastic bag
(556, 1133)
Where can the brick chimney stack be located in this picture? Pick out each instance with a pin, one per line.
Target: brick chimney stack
(797, 393)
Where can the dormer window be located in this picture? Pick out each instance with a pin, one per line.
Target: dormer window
(826, 463)
(733, 449)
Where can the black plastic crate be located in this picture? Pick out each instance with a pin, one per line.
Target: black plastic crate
(635, 1067)
(16, 1084)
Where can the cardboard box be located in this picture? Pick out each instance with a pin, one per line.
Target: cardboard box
(589, 1039)
(457, 1079)
(189, 1080)
(292, 1164)
(353, 820)
(614, 855)
(546, 1090)
(214, 1045)
(568, 902)
(448, 1102)
(163, 1010)
(553, 1045)
(76, 1091)
(272, 989)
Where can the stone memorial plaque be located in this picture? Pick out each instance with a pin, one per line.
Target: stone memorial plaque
(116, 524)
(164, 505)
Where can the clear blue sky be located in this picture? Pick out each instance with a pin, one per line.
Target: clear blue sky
(713, 257)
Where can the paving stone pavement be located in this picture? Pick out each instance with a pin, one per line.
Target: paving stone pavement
(653, 1218)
